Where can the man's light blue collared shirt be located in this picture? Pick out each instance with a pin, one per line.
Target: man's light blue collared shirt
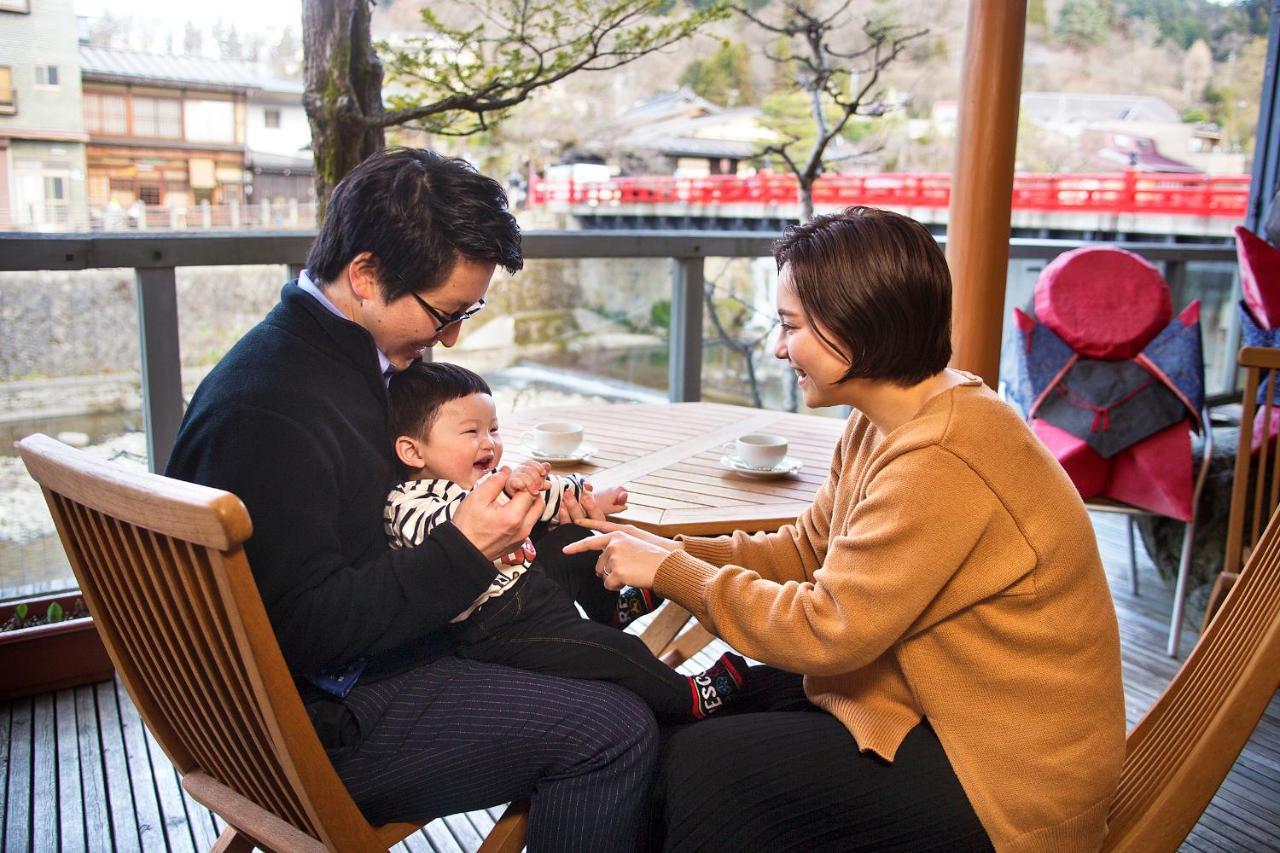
(305, 283)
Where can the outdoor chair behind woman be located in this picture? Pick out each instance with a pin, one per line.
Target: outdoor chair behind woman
(942, 600)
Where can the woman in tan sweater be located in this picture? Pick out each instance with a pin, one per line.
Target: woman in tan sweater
(943, 598)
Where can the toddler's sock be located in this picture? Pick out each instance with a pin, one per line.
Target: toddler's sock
(716, 687)
(634, 602)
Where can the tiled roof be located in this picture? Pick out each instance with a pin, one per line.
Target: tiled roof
(1092, 106)
(107, 63)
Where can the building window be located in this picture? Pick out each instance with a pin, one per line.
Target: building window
(210, 121)
(55, 188)
(157, 117)
(149, 194)
(272, 119)
(104, 113)
(47, 76)
(8, 97)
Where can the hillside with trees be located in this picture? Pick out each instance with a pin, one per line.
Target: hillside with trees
(1203, 58)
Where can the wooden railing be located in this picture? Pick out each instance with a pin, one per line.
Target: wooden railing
(1130, 191)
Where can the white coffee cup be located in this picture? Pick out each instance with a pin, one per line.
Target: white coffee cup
(557, 438)
(760, 449)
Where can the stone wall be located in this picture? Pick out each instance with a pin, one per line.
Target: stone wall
(85, 323)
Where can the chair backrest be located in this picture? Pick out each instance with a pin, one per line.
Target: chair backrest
(161, 568)
(1182, 749)
(1253, 498)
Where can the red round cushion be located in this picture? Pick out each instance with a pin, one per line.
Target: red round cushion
(1103, 302)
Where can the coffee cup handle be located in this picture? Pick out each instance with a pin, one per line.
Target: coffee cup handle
(731, 449)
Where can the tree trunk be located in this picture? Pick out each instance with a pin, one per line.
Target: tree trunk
(804, 194)
(343, 95)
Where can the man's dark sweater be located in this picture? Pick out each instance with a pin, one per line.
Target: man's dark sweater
(294, 421)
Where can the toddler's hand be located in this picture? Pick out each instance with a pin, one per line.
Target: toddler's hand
(528, 476)
(611, 500)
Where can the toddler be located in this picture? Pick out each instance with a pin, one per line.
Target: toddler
(447, 438)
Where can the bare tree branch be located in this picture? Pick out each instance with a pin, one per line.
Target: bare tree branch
(824, 72)
(460, 80)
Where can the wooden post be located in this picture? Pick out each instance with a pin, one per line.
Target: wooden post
(982, 186)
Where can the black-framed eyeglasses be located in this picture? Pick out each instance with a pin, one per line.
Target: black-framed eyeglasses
(446, 320)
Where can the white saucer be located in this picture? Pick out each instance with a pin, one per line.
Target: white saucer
(582, 454)
(789, 465)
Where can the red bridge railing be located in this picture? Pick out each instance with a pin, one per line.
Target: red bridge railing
(1122, 192)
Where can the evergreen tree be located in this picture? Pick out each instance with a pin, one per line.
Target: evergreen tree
(723, 78)
(1085, 23)
(192, 40)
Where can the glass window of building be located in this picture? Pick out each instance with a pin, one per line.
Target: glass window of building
(104, 113)
(157, 117)
(8, 98)
(55, 188)
(47, 76)
(210, 121)
(271, 118)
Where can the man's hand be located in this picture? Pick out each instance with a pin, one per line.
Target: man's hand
(528, 476)
(628, 556)
(497, 528)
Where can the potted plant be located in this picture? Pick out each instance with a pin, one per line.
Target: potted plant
(48, 643)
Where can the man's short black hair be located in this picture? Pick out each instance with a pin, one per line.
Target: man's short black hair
(874, 286)
(417, 213)
(418, 392)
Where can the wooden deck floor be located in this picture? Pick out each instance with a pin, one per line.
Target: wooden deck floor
(79, 772)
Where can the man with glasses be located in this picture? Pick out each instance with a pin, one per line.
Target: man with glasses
(294, 421)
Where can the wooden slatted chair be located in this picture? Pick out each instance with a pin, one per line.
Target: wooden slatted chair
(1182, 749)
(162, 570)
(1261, 365)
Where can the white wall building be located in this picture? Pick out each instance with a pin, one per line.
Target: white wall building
(42, 137)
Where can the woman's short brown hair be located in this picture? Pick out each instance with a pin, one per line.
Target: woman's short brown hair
(880, 284)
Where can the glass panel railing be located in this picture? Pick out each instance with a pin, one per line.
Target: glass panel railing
(566, 330)
(69, 368)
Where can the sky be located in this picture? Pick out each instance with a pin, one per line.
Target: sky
(265, 15)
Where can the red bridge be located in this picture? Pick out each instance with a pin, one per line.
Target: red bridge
(1124, 192)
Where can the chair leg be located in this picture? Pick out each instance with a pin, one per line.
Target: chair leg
(1133, 560)
(1180, 590)
(1188, 537)
(232, 841)
(508, 834)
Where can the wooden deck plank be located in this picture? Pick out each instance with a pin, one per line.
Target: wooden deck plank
(97, 824)
(17, 825)
(70, 795)
(177, 828)
(146, 802)
(124, 820)
(441, 839)
(44, 774)
(416, 843)
(6, 717)
(203, 828)
(463, 832)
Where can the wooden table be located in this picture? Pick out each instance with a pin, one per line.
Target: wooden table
(668, 456)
